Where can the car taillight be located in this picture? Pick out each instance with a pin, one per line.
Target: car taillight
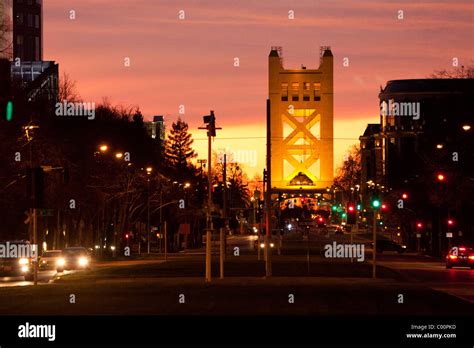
(462, 249)
(453, 257)
(471, 257)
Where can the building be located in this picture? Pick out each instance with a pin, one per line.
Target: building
(425, 130)
(301, 124)
(156, 128)
(28, 30)
(37, 80)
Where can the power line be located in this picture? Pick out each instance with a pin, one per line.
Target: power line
(275, 138)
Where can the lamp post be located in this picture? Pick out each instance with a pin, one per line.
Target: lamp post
(148, 172)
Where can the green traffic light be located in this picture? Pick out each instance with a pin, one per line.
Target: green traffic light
(375, 203)
(334, 208)
(344, 215)
(359, 207)
(9, 110)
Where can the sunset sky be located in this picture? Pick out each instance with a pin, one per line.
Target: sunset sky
(190, 61)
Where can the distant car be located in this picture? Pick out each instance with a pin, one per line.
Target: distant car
(73, 258)
(262, 244)
(460, 257)
(16, 266)
(389, 245)
(50, 259)
(336, 229)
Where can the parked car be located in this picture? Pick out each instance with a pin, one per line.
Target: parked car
(73, 258)
(460, 257)
(16, 266)
(50, 259)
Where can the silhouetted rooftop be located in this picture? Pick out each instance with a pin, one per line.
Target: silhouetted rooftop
(430, 86)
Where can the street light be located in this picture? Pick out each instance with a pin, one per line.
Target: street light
(149, 170)
(439, 146)
(103, 148)
(440, 177)
(119, 155)
(466, 127)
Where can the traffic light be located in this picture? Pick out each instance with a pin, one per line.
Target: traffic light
(440, 177)
(404, 195)
(383, 206)
(35, 189)
(351, 214)
(419, 225)
(210, 120)
(6, 103)
(334, 208)
(359, 206)
(450, 222)
(375, 202)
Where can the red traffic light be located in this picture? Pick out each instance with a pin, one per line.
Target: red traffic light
(384, 206)
(450, 222)
(419, 225)
(440, 177)
(351, 208)
(404, 196)
(127, 235)
(320, 219)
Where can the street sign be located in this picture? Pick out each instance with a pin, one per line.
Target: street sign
(449, 235)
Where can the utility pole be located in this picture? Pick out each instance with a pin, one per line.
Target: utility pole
(268, 197)
(224, 218)
(210, 120)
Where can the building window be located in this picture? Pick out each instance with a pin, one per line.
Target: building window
(19, 40)
(306, 91)
(30, 20)
(295, 91)
(284, 91)
(317, 91)
(37, 21)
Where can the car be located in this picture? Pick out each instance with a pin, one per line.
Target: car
(336, 229)
(262, 244)
(389, 245)
(73, 258)
(16, 266)
(49, 259)
(460, 257)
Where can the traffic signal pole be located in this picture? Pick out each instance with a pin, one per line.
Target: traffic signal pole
(209, 203)
(210, 120)
(374, 251)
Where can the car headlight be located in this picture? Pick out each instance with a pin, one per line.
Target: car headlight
(404, 246)
(23, 261)
(262, 245)
(83, 261)
(24, 269)
(60, 262)
(272, 245)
